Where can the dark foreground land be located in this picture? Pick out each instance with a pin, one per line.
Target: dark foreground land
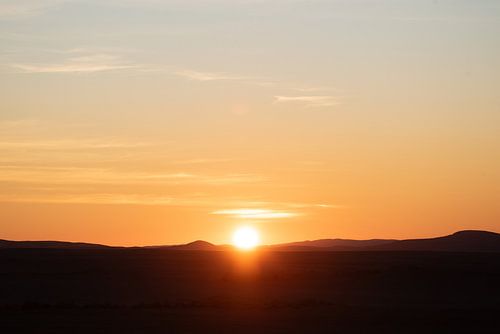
(165, 291)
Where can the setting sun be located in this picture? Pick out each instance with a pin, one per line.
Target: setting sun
(246, 238)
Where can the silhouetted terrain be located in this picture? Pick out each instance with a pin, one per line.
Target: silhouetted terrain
(198, 245)
(140, 290)
(322, 243)
(462, 241)
(49, 244)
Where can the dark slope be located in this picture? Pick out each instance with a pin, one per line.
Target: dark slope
(50, 244)
(198, 245)
(462, 241)
(341, 243)
(195, 245)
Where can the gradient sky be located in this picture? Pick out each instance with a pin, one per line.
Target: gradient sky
(153, 122)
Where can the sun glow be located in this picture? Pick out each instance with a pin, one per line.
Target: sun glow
(246, 238)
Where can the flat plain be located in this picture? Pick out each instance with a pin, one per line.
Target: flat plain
(167, 291)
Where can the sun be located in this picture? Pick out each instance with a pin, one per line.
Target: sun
(246, 238)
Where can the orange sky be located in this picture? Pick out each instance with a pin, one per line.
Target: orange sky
(140, 123)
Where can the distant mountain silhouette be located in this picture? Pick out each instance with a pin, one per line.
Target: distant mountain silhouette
(462, 241)
(198, 245)
(195, 245)
(348, 243)
(50, 244)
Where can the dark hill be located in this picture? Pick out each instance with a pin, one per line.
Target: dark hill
(340, 243)
(198, 245)
(195, 245)
(50, 244)
(462, 241)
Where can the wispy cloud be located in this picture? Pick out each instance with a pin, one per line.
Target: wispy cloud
(54, 193)
(206, 76)
(87, 63)
(18, 124)
(286, 205)
(249, 80)
(200, 161)
(48, 184)
(69, 144)
(106, 176)
(309, 100)
(315, 205)
(31, 141)
(440, 19)
(311, 89)
(13, 9)
(313, 101)
(97, 198)
(256, 213)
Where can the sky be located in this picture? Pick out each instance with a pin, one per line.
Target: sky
(147, 122)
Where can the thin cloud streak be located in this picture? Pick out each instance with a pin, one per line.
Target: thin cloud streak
(206, 76)
(89, 63)
(250, 80)
(287, 205)
(255, 213)
(151, 199)
(69, 144)
(109, 199)
(309, 100)
(317, 101)
(63, 194)
(97, 176)
(201, 161)
(69, 68)
(15, 9)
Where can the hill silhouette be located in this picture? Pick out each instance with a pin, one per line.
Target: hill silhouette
(462, 241)
(195, 245)
(348, 243)
(50, 244)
